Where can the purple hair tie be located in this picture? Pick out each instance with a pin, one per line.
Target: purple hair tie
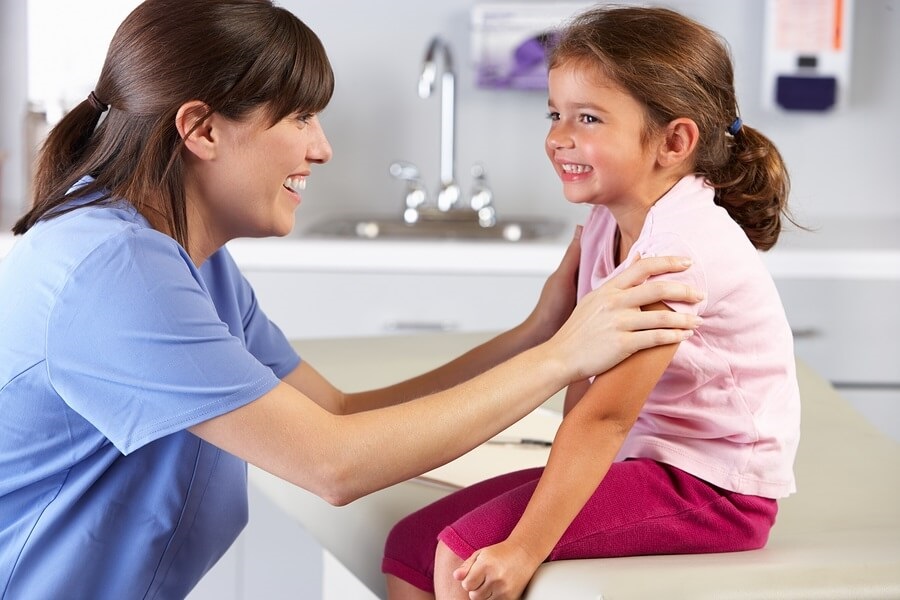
(735, 126)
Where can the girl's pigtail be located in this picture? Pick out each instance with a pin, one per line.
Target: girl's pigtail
(753, 185)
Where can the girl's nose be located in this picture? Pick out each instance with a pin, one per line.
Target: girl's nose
(319, 150)
(557, 138)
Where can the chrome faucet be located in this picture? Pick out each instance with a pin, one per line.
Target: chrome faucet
(448, 206)
(448, 194)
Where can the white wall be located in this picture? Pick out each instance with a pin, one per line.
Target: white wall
(841, 164)
(13, 93)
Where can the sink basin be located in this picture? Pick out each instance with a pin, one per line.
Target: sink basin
(510, 230)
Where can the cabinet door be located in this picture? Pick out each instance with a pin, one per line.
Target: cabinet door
(848, 330)
(348, 304)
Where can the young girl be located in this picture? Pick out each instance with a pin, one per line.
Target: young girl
(138, 372)
(679, 449)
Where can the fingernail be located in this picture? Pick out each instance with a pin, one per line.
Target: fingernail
(686, 262)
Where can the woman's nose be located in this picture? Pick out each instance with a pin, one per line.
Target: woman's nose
(319, 150)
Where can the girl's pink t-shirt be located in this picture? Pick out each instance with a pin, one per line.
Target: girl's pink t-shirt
(727, 409)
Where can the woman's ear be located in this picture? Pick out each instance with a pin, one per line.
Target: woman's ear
(681, 139)
(195, 129)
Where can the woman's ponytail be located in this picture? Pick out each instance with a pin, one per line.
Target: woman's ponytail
(59, 159)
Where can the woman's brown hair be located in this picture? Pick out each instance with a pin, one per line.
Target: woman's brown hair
(233, 55)
(677, 68)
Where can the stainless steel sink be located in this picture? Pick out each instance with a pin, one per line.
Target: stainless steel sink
(510, 230)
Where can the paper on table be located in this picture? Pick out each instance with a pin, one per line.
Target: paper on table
(490, 460)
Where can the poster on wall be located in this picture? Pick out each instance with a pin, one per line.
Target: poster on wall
(806, 65)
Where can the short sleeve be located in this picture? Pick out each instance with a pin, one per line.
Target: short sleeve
(671, 244)
(135, 344)
(237, 305)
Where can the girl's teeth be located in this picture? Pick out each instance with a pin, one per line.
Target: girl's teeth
(576, 169)
(295, 184)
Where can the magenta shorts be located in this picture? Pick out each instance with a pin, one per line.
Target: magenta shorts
(641, 507)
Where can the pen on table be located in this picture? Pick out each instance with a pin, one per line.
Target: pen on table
(523, 441)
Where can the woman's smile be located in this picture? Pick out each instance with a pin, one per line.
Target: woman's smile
(295, 184)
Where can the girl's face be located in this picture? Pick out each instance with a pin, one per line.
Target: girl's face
(595, 139)
(251, 187)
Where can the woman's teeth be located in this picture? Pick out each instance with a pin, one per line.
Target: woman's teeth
(295, 184)
(575, 169)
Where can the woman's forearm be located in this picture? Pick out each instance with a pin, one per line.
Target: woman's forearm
(341, 458)
(474, 362)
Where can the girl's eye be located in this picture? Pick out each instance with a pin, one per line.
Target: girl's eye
(584, 118)
(553, 116)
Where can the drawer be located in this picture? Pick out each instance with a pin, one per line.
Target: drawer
(348, 304)
(848, 330)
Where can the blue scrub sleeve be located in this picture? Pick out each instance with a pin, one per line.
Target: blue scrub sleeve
(238, 307)
(135, 344)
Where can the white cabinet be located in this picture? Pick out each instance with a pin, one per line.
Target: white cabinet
(273, 558)
(311, 304)
(846, 328)
(849, 331)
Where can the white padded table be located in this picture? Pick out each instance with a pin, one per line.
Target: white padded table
(838, 537)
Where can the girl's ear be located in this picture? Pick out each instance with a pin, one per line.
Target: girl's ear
(681, 139)
(196, 129)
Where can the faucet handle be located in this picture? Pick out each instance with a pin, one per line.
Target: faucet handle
(405, 171)
(415, 189)
(482, 198)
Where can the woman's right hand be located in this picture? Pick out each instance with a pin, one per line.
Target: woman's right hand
(608, 325)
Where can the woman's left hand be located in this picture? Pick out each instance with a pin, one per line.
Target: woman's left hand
(498, 572)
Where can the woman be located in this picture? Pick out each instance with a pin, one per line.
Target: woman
(138, 375)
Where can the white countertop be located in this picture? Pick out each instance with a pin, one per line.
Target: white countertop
(837, 249)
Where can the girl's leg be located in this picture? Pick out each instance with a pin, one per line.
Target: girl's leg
(398, 589)
(644, 507)
(445, 586)
(409, 552)
(641, 507)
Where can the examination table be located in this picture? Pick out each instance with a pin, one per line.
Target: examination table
(837, 537)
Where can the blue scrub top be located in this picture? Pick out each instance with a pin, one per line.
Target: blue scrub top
(112, 344)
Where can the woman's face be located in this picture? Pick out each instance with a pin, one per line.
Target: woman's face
(252, 183)
(595, 138)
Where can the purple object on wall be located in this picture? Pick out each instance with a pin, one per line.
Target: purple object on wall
(527, 65)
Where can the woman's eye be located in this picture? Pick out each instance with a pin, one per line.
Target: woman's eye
(304, 118)
(553, 116)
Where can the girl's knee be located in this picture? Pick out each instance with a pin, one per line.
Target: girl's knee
(445, 558)
(445, 562)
